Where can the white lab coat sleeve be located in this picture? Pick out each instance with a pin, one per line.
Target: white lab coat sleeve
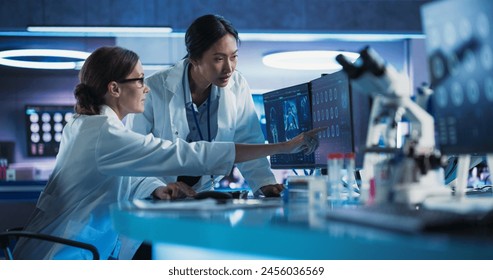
(143, 187)
(257, 172)
(122, 152)
(143, 123)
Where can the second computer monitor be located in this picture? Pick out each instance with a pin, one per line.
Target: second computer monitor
(331, 108)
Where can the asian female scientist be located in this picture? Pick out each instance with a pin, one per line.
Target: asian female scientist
(204, 97)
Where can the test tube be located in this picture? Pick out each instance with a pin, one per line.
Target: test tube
(350, 179)
(334, 166)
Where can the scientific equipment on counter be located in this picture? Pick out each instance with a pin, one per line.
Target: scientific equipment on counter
(297, 189)
(335, 165)
(407, 174)
(342, 184)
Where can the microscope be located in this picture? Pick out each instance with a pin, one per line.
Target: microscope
(394, 171)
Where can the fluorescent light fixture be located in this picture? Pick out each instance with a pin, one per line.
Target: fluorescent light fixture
(101, 30)
(8, 58)
(12, 58)
(307, 60)
(312, 37)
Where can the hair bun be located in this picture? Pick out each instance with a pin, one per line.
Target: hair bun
(82, 89)
(87, 101)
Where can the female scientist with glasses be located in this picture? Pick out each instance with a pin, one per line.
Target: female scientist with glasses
(98, 156)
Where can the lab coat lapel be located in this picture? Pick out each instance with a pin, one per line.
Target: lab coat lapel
(177, 113)
(226, 116)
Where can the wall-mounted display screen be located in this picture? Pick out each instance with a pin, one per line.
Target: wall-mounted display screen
(44, 125)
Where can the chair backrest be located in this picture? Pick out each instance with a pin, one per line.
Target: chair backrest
(7, 237)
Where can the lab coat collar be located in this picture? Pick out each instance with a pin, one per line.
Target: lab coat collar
(227, 105)
(107, 111)
(226, 115)
(174, 86)
(175, 75)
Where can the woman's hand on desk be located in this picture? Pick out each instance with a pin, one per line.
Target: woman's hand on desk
(273, 190)
(173, 191)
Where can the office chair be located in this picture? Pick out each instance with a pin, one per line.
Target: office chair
(7, 237)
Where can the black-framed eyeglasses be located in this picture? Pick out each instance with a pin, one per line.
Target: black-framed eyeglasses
(140, 81)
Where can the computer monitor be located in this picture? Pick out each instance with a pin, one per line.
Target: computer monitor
(287, 113)
(331, 108)
(44, 125)
(332, 104)
(361, 104)
(459, 43)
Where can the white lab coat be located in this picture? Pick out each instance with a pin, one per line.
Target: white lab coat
(97, 154)
(165, 117)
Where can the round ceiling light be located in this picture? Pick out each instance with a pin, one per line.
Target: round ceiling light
(307, 60)
(12, 58)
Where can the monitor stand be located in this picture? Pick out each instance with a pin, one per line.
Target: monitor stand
(460, 202)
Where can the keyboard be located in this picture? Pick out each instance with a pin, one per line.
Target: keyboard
(401, 218)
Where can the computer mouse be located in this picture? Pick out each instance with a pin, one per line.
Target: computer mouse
(213, 194)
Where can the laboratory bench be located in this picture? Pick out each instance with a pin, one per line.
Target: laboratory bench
(288, 231)
(21, 190)
(17, 201)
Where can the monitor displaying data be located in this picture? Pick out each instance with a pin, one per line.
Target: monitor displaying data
(327, 102)
(44, 125)
(287, 114)
(459, 43)
(331, 108)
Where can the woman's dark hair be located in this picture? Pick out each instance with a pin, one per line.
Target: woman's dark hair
(104, 65)
(204, 32)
